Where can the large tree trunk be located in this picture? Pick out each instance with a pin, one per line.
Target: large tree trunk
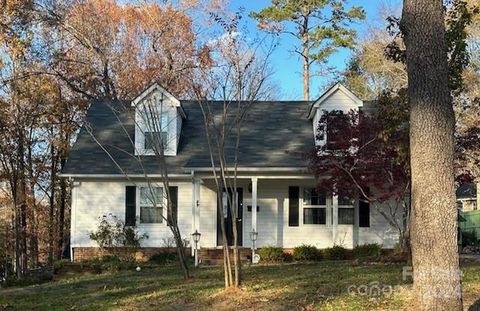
(437, 284)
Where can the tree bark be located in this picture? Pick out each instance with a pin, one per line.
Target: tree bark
(306, 59)
(437, 284)
(61, 216)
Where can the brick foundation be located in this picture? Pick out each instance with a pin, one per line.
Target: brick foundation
(143, 254)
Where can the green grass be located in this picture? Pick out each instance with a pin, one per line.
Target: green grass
(315, 286)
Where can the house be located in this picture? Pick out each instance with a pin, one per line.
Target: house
(112, 157)
(467, 197)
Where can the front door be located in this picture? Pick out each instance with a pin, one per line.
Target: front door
(229, 219)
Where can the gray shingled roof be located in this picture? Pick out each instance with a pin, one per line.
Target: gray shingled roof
(275, 134)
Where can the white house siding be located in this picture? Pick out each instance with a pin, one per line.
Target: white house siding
(338, 100)
(93, 199)
(379, 231)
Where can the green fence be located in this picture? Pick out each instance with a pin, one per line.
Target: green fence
(470, 222)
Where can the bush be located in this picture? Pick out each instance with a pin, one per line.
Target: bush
(108, 263)
(367, 250)
(469, 238)
(306, 252)
(119, 238)
(163, 258)
(335, 253)
(272, 254)
(58, 265)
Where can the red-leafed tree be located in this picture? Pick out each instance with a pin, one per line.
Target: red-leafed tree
(365, 155)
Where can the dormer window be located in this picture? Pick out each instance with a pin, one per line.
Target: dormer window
(158, 122)
(337, 98)
(156, 135)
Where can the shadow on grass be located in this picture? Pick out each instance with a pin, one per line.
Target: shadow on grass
(264, 287)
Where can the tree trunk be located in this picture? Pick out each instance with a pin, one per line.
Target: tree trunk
(22, 201)
(61, 216)
(51, 211)
(437, 284)
(306, 60)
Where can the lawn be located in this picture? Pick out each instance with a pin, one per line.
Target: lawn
(315, 286)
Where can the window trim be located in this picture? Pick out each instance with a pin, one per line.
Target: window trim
(142, 127)
(315, 208)
(310, 206)
(346, 207)
(139, 206)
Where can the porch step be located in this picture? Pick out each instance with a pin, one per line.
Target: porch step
(214, 256)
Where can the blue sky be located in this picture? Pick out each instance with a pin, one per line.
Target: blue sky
(287, 66)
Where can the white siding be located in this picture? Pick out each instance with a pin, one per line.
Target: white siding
(338, 100)
(94, 199)
(164, 105)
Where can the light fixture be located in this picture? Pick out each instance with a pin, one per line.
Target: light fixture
(253, 235)
(196, 238)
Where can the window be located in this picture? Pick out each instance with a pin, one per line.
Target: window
(315, 207)
(345, 200)
(157, 134)
(346, 216)
(315, 216)
(151, 205)
(312, 197)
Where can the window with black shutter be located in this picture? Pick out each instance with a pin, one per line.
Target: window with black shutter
(130, 205)
(293, 206)
(364, 213)
(174, 199)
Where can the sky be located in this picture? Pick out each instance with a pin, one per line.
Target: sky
(287, 66)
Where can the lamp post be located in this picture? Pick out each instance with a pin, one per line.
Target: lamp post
(196, 238)
(253, 237)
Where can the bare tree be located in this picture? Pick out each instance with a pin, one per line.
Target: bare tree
(225, 92)
(150, 121)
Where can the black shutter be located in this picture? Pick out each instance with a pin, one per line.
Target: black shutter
(130, 205)
(293, 206)
(364, 213)
(174, 199)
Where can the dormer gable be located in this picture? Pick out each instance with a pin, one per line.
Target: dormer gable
(336, 98)
(158, 122)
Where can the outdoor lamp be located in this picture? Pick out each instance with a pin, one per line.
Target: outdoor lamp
(196, 238)
(253, 235)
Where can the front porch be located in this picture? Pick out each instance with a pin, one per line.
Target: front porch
(285, 216)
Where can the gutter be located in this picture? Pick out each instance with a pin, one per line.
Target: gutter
(253, 169)
(123, 175)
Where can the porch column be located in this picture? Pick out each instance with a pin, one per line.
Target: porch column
(334, 218)
(254, 204)
(195, 209)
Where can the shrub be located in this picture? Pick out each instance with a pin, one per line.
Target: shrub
(58, 265)
(469, 238)
(272, 254)
(163, 258)
(367, 250)
(117, 237)
(108, 263)
(306, 252)
(335, 253)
